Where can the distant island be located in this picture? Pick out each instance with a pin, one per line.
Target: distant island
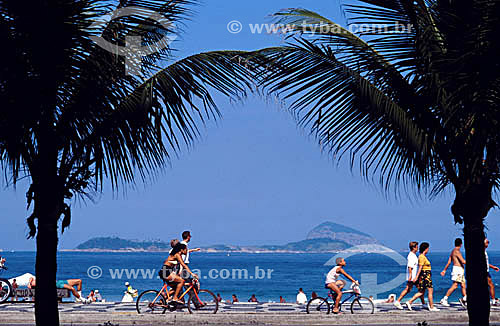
(326, 237)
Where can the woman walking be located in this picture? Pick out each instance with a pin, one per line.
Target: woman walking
(424, 278)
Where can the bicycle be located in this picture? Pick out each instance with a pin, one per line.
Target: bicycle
(5, 287)
(200, 301)
(360, 305)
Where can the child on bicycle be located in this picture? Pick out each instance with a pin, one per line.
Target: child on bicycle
(333, 282)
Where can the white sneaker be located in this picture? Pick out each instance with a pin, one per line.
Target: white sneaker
(444, 302)
(463, 302)
(398, 305)
(432, 309)
(408, 305)
(80, 299)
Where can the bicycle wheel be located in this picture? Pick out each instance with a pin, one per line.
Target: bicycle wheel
(5, 290)
(362, 305)
(318, 306)
(204, 303)
(149, 302)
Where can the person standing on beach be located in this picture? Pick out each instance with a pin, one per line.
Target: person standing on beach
(424, 276)
(488, 266)
(457, 273)
(15, 286)
(411, 274)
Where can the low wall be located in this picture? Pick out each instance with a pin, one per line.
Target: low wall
(22, 293)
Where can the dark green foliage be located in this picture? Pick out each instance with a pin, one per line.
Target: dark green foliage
(115, 243)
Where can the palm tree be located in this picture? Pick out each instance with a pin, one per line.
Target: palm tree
(70, 118)
(413, 104)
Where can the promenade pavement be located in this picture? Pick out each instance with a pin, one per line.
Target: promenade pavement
(113, 314)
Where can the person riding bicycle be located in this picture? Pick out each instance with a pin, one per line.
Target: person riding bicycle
(333, 282)
(169, 271)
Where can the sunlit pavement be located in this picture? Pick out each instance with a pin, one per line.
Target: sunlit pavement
(238, 314)
(242, 307)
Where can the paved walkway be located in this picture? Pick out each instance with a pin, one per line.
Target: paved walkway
(274, 314)
(243, 307)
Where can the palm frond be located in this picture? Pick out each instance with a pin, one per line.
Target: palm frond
(385, 73)
(145, 127)
(348, 113)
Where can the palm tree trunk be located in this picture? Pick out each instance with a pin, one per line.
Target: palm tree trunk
(46, 305)
(478, 303)
(48, 197)
(472, 204)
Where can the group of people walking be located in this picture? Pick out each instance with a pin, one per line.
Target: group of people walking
(418, 273)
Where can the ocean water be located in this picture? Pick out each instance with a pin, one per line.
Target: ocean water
(268, 275)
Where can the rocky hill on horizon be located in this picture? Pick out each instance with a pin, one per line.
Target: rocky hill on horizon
(326, 237)
(334, 231)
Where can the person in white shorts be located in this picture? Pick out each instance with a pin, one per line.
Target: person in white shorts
(411, 274)
(457, 273)
(491, 285)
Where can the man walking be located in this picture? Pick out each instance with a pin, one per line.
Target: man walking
(457, 273)
(488, 266)
(411, 274)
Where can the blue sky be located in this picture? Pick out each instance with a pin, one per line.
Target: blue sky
(253, 178)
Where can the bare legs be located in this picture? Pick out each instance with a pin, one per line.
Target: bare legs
(77, 283)
(454, 286)
(406, 291)
(337, 288)
(420, 294)
(71, 284)
(492, 288)
(180, 283)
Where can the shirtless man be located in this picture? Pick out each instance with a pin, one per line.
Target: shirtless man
(457, 273)
(333, 283)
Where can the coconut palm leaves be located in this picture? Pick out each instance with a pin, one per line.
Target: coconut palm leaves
(102, 120)
(391, 88)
